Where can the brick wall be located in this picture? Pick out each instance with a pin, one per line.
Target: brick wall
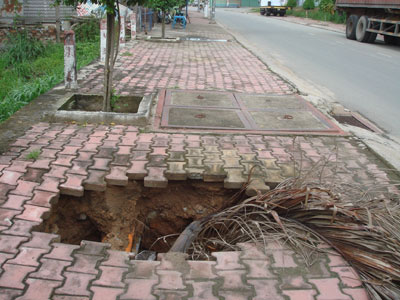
(43, 33)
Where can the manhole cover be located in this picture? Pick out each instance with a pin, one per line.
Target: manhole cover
(224, 110)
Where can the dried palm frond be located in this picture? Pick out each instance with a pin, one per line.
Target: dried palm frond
(366, 233)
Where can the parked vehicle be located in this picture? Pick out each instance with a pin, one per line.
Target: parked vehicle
(368, 18)
(273, 7)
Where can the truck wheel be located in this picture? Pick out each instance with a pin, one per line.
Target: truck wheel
(351, 26)
(268, 13)
(362, 35)
(372, 37)
(262, 12)
(282, 13)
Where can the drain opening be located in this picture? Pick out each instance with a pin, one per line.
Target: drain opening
(133, 218)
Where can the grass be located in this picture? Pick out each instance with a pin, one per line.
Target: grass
(23, 79)
(33, 155)
(317, 14)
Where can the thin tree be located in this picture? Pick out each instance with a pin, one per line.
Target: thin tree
(112, 39)
(164, 6)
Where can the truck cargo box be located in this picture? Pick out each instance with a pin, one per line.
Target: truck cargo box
(369, 3)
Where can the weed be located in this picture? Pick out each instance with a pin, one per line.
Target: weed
(34, 154)
(126, 54)
(114, 99)
(317, 14)
(88, 30)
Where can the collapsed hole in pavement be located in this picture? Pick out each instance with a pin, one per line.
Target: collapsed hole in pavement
(135, 217)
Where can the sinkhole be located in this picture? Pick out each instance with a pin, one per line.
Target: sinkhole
(136, 218)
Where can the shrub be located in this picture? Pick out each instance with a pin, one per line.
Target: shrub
(327, 6)
(292, 3)
(88, 30)
(21, 48)
(309, 4)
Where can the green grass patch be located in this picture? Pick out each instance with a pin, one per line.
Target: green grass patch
(317, 14)
(26, 71)
(34, 154)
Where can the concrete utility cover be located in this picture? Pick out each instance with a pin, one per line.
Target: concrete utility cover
(224, 110)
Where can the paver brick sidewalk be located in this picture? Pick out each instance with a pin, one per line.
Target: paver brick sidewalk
(74, 159)
(77, 158)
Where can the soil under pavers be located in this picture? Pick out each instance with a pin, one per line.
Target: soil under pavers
(75, 160)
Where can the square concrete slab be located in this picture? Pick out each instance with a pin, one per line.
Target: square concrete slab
(205, 118)
(211, 110)
(203, 99)
(295, 120)
(270, 102)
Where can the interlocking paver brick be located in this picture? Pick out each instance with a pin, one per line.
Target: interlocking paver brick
(21, 228)
(137, 171)
(111, 276)
(64, 160)
(76, 284)
(34, 213)
(266, 289)
(202, 290)
(85, 264)
(116, 259)
(300, 294)
(155, 178)
(80, 167)
(328, 289)
(18, 166)
(348, 276)
(73, 186)
(50, 269)
(14, 202)
(100, 164)
(139, 289)
(28, 256)
(95, 181)
(117, 176)
(10, 177)
(100, 293)
(14, 275)
(7, 215)
(61, 251)
(357, 294)
(42, 240)
(34, 175)
(39, 289)
(24, 188)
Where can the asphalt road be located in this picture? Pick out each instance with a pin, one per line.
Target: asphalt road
(363, 77)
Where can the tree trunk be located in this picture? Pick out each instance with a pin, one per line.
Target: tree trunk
(110, 44)
(163, 25)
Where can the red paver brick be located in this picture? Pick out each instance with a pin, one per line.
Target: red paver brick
(266, 289)
(39, 289)
(155, 178)
(42, 240)
(14, 202)
(50, 269)
(202, 290)
(348, 276)
(28, 256)
(24, 188)
(70, 150)
(57, 172)
(49, 184)
(21, 228)
(85, 156)
(49, 153)
(4, 189)
(14, 275)
(283, 259)
(7, 294)
(357, 294)
(43, 198)
(116, 259)
(41, 163)
(7, 216)
(61, 251)
(101, 293)
(100, 164)
(228, 260)
(34, 213)
(85, 264)
(300, 294)
(328, 289)
(290, 282)
(142, 293)
(117, 176)
(73, 186)
(111, 277)
(34, 175)
(19, 166)
(235, 295)
(93, 248)
(64, 160)
(76, 284)
(10, 177)
(95, 181)
(337, 261)
(258, 269)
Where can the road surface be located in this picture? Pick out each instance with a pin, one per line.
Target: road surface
(362, 77)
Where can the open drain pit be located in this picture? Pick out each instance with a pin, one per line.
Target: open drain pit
(134, 218)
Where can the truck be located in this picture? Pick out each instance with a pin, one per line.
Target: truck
(365, 19)
(273, 7)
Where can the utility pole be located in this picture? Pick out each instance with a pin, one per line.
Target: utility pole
(213, 11)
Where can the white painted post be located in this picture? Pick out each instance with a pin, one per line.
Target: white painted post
(133, 26)
(70, 74)
(122, 33)
(103, 39)
(206, 10)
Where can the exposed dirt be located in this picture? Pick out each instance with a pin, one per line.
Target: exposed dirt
(112, 215)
